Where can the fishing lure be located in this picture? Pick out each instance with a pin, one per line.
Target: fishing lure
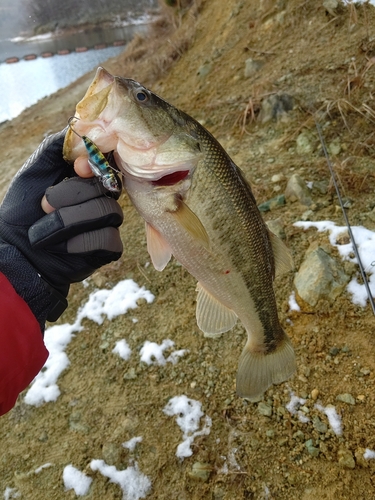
(99, 164)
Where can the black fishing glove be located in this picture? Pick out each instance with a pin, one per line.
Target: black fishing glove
(42, 254)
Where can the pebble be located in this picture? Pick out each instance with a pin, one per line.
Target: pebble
(265, 409)
(277, 201)
(276, 107)
(319, 425)
(304, 143)
(331, 6)
(299, 435)
(346, 398)
(311, 449)
(111, 453)
(200, 471)
(204, 70)
(314, 394)
(334, 351)
(345, 458)
(252, 66)
(276, 226)
(297, 190)
(277, 178)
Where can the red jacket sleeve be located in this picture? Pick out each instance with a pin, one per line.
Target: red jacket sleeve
(22, 350)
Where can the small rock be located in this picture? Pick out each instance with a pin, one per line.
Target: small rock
(204, 70)
(200, 471)
(299, 435)
(345, 458)
(346, 398)
(304, 143)
(297, 190)
(307, 215)
(276, 226)
(276, 107)
(270, 433)
(334, 351)
(277, 178)
(278, 201)
(314, 394)
(319, 277)
(331, 6)
(99, 280)
(334, 147)
(130, 374)
(319, 425)
(265, 409)
(311, 449)
(111, 453)
(360, 459)
(320, 186)
(252, 66)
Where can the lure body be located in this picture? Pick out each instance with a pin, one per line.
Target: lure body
(99, 164)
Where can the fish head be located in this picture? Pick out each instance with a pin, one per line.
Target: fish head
(151, 138)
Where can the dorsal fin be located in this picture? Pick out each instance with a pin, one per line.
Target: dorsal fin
(283, 257)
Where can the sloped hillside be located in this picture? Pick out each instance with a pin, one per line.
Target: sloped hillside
(257, 75)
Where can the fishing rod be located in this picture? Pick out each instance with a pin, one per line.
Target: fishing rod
(355, 249)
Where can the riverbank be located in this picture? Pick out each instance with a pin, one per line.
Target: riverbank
(225, 64)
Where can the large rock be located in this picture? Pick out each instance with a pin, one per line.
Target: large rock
(320, 277)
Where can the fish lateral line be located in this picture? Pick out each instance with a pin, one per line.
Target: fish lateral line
(98, 163)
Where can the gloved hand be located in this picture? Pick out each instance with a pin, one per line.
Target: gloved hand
(42, 254)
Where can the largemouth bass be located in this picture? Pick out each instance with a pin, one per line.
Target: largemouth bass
(199, 208)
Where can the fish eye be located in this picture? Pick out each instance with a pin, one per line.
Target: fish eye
(141, 95)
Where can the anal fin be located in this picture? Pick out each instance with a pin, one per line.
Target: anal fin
(158, 248)
(213, 318)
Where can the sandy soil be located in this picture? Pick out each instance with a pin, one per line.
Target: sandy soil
(324, 61)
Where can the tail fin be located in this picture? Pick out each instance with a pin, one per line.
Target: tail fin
(258, 371)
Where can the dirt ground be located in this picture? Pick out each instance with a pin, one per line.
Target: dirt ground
(325, 62)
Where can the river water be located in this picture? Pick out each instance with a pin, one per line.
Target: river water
(25, 82)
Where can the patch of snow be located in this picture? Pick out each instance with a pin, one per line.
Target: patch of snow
(76, 480)
(293, 407)
(122, 349)
(132, 443)
(10, 493)
(334, 418)
(133, 483)
(369, 454)
(293, 306)
(188, 413)
(153, 353)
(113, 302)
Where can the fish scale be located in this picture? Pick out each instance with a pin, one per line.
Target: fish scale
(198, 207)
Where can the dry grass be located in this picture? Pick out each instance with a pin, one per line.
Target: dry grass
(148, 58)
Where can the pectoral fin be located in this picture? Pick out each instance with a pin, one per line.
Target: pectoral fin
(283, 257)
(191, 223)
(158, 248)
(213, 317)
